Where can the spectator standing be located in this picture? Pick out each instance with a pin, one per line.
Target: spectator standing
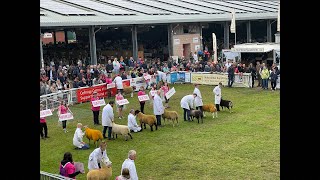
(119, 97)
(142, 103)
(264, 77)
(230, 75)
(273, 79)
(63, 109)
(118, 81)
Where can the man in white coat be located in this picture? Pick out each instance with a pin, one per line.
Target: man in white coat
(187, 103)
(98, 155)
(107, 119)
(162, 76)
(118, 81)
(132, 122)
(158, 108)
(198, 99)
(129, 163)
(77, 138)
(217, 95)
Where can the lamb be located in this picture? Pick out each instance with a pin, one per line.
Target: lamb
(128, 90)
(227, 104)
(146, 119)
(104, 173)
(93, 134)
(120, 129)
(170, 115)
(210, 108)
(196, 113)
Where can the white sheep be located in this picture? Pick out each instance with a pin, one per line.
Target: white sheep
(120, 129)
(104, 173)
(170, 115)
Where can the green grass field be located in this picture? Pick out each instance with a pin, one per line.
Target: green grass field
(244, 144)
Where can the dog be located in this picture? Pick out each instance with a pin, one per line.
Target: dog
(226, 103)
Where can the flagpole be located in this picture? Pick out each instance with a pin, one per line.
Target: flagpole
(235, 37)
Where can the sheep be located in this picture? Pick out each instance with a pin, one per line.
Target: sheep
(226, 103)
(93, 134)
(210, 108)
(104, 173)
(196, 113)
(120, 129)
(170, 115)
(146, 119)
(128, 90)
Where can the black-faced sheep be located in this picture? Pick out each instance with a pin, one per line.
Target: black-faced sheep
(120, 129)
(170, 115)
(197, 114)
(146, 119)
(210, 108)
(227, 104)
(93, 134)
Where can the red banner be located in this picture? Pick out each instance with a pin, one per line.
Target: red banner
(85, 94)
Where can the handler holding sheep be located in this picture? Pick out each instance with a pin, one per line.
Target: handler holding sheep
(187, 103)
(217, 95)
(132, 122)
(97, 156)
(198, 99)
(158, 108)
(107, 119)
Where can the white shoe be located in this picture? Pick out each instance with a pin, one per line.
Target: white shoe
(120, 118)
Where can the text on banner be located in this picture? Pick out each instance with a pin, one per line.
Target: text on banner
(170, 93)
(45, 113)
(143, 98)
(99, 102)
(123, 102)
(67, 116)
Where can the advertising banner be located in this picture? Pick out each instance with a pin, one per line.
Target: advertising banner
(67, 116)
(99, 102)
(45, 113)
(85, 94)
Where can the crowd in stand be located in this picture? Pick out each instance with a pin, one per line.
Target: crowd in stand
(57, 76)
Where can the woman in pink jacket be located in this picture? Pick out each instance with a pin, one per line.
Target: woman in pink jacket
(95, 110)
(63, 109)
(140, 93)
(120, 107)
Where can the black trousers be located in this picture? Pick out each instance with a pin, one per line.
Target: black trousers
(230, 80)
(105, 130)
(253, 78)
(273, 85)
(186, 114)
(43, 126)
(64, 124)
(158, 120)
(218, 107)
(142, 106)
(95, 117)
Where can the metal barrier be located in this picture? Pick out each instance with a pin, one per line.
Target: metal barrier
(49, 176)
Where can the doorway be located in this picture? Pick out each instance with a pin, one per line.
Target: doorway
(186, 51)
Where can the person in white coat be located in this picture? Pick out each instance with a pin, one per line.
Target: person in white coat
(129, 163)
(77, 138)
(187, 103)
(162, 76)
(217, 95)
(132, 122)
(198, 99)
(98, 155)
(118, 81)
(107, 119)
(158, 108)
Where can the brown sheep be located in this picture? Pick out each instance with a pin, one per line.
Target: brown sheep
(93, 134)
(104, 173)
(210, 108)
(146, 119)
(170, 115)
(128, 90)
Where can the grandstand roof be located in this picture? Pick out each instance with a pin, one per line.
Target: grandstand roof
(123, 12)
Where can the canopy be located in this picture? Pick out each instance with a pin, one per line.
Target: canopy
(256, 47)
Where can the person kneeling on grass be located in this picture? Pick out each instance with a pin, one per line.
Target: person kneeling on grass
(132, 123)
(77, 138)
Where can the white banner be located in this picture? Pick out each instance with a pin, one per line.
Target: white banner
(47, 35)
(45, 113)
(111, 85)
(143, 98)
(187, 77)
(123, 102)
(233, 22)
(214, 47)
(170, 93)
(195, 40)
(147, 77)
(99, 102)
(67, 116)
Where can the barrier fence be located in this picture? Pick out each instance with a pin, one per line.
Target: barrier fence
(83, 94)
(50, 176)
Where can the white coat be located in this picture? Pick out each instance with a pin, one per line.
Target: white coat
(118, 81)
(217, 94)
(107, 115)
(132, 123)
(158, 108)
(77, 138)
(95, 157)
(128, 163)
(162, 76)
(187, 102)
(198, 99)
